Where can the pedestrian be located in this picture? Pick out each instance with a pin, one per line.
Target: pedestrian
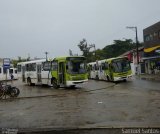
(12, 77)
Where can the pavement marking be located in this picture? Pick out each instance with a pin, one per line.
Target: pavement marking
(53, 95)
(100, 88)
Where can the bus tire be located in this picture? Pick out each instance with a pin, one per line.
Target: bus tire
(54, 83)
(125, 80)
(72, 86)
(108, 79)
(97, 78)
(29, 82)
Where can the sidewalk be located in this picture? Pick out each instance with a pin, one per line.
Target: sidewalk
(155, 77)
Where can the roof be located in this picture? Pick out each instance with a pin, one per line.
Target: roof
(148, 58)
(132, 51)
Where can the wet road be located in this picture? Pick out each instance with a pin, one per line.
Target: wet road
(96, 104)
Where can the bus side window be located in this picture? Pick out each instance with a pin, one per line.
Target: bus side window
(11, 71)
(111, 66)
(93, 68)
(90, 67)
(27, 67)
(15, 71)
(103, 66)
(106, 66)
(54, 66)
(96, 67)
(34, 67)
(19, 68)
(4, 70)
(46, 66)
(100, 68)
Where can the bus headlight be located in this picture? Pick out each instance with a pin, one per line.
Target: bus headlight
(70, 77)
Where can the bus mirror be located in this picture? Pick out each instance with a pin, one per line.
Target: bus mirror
(67, 67)
(110, 66)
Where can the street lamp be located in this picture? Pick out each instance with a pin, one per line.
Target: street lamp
(135, 28)
(46, 55)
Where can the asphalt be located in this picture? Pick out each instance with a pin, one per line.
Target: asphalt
(153, 77)
(95, 105)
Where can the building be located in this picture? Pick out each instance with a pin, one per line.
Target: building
(151, 57)
(132, 56)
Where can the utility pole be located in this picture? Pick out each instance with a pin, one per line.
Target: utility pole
(137, 53)
(135, 28)
(93, 45)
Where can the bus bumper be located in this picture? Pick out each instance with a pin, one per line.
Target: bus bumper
(122, 78)
(70, 83)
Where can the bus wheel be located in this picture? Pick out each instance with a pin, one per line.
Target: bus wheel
(54, 82)
(97, 78)
(125, 80)
(108, 79)
(72, 86)
(29, 81)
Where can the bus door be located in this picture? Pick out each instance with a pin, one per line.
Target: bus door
(101, 71)
(61, 73)
(23, 74)
(39, 68)
(111, 71)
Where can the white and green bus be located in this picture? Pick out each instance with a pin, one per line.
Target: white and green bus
(35, 72)
(62, 71)
(113, 69)
(68, 71)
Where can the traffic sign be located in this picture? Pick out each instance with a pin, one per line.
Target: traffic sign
(6, 63)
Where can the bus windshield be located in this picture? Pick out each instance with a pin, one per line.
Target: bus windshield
(76, 67)
(121, 65)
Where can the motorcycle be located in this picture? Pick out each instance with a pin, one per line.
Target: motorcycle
(8, 90)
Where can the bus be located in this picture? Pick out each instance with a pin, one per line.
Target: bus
(112, 69)
(69, 71)
(5, 74)
(35, 72)
(59, 72)
(92, 68)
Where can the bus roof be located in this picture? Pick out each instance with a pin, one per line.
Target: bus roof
(32, 61)
(65, 57)
(91, 63)
(110, 59)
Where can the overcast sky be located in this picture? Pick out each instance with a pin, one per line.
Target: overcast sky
(31, 27)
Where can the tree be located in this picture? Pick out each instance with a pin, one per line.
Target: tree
(84, 47)
(14, 62)
(117, 48)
